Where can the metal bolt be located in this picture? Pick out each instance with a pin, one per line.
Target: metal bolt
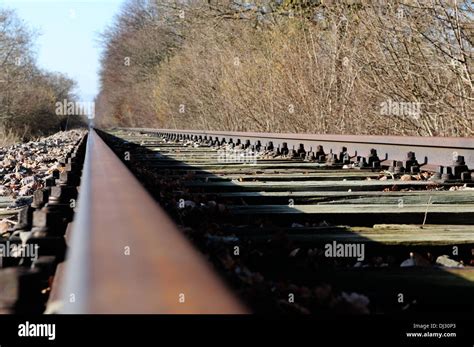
(270, 146)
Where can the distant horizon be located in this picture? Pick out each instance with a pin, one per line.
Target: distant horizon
(67, 37)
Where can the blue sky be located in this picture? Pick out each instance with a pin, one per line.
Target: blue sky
(68, 36)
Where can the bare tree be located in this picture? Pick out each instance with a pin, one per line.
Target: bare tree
(27, 94)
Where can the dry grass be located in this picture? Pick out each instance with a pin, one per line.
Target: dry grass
(8, 137)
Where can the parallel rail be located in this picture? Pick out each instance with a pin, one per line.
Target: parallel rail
(126, 255)
(438, 151)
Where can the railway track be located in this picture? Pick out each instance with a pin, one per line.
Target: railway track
(268, 223)
(266, 213)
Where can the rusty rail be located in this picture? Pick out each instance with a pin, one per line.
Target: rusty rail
(439, 151)
(126, 256)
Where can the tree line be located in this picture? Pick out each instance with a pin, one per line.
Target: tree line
(28, 95)
(402, 67)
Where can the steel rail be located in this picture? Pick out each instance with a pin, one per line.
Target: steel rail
(126, 255)
(438, 150)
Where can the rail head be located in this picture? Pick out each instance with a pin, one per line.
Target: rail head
(127, 256)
